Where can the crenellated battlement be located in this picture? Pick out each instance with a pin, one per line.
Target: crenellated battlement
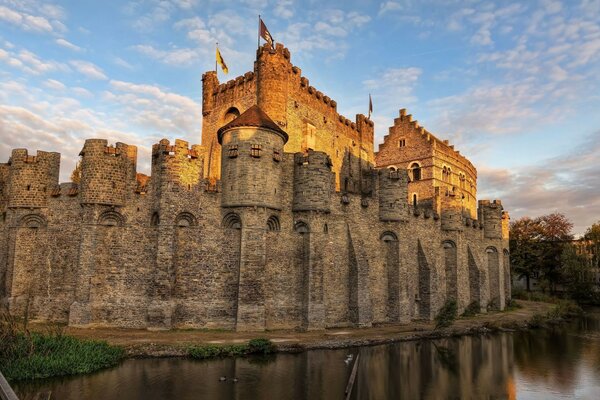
(31, 178)
(313, 181)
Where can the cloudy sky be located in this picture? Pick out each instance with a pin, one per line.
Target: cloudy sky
(514, 85)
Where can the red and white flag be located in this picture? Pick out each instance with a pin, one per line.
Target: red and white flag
(265, 34)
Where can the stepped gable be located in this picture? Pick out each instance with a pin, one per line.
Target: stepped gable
(256, 117)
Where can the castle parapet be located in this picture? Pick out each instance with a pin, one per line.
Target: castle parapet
(313, 181)
(107, 172)
(490, 214)
(451, 210)
(32, 178)
(393, 195)
(178, 164)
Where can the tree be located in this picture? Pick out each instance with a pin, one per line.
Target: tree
(592, 234)
(555, 234)
(525, 251)
(76, 174)
(536, 246)
(576, 274)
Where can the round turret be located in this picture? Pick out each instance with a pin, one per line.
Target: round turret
(393, 203)
(313, 181)
(251, 157)
(273, 68)
(32, 178)
(107, 172)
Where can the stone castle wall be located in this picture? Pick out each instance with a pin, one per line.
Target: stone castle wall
(279, 88)
(283, 222)
(177, 254)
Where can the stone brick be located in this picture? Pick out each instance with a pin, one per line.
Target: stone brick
(296, 224)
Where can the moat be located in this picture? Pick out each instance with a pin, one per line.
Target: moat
(561, 362)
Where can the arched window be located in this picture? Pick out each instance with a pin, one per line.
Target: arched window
(232, 221)
(230, 115)
(445, 174)
(185, 219)
(32, 221)
(414, 199)
(416, 171)
(155, 220)
(389, 237)
(301, 227)
(273, 224)
(111, 218)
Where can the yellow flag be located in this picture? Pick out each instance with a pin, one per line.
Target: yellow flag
(221, 62)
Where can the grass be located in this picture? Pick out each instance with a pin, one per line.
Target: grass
(254, 346)
(25, 355)
(37, 356)
(471, 310)
(446, 315)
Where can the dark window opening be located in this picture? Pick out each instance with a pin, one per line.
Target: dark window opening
(415, 200)
(276, 156)
(232, 151)
(416, 171)
(255, 150)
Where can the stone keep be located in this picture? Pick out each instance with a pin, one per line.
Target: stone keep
(283, 218)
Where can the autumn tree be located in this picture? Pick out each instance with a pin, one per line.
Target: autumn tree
(555, 235)
(536, 246)
(525, 252)
(76, 174)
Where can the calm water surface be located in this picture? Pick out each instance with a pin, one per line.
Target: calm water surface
(562, 363)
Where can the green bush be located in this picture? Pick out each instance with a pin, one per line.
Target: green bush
(537, 321)
(255, 346)
(41, 356)
(511, 305)
(565, 309)
(472, 309)
(446, 315)
(261, 346)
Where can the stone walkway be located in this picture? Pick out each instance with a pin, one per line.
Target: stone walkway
(174, 342)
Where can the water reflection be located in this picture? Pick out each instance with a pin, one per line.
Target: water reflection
(559, 363)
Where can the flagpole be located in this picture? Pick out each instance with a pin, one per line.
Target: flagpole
(258, 38)
(216, 49)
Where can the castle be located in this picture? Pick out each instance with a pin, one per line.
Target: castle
(283, 218)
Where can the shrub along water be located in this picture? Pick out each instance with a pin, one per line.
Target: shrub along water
(25, 355)
(254, 346)
(446, 315)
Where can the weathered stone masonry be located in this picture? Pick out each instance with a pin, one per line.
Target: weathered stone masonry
(283, 218)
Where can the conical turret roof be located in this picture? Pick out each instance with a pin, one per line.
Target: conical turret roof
(255, 117)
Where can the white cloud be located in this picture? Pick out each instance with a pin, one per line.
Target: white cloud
(284, 9)
(29, 62)
(174, 57)
(566, 184)
(389, 6)
(65, 43)
(88, 69)
(122, 63)
(23, 17)
(54, 84)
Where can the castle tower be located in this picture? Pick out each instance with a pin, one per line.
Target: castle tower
(272, 70)
(251, 178)
(32, 178)
(177, 164)
(451, 210)
(313, 181)
(251, 161)
(490, 213)
(393, 204)
(107, 172)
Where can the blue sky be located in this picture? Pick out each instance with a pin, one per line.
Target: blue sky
(514, 85)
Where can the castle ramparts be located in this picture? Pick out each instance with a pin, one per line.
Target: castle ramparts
(281, 219)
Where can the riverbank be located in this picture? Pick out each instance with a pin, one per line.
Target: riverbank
(175, 343)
